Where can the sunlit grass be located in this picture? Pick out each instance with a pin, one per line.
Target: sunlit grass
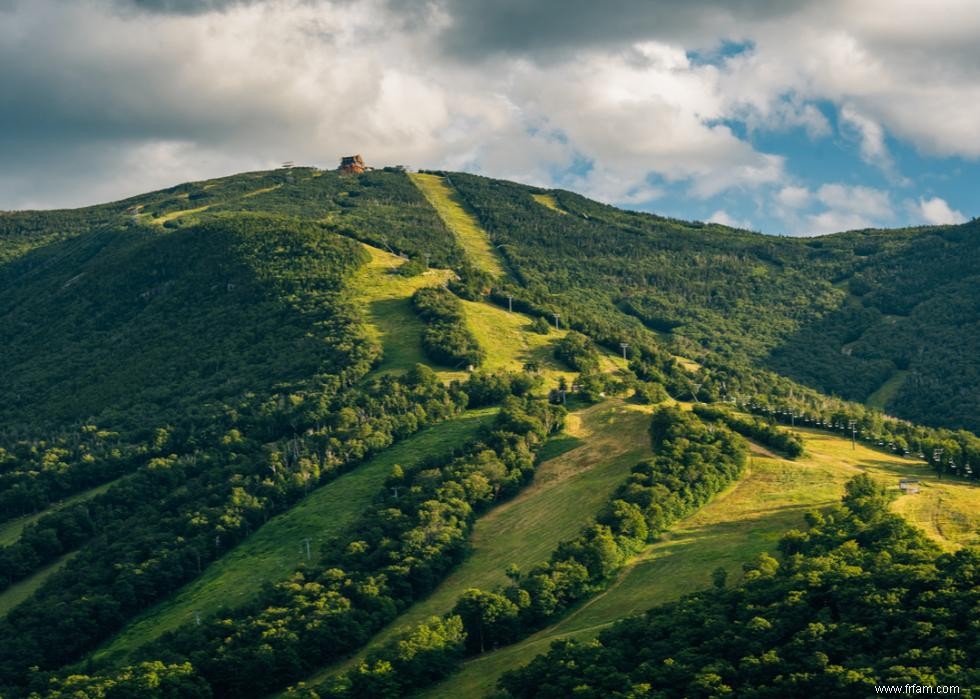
(470, 233)
(596, 451)
(387, 300)
(745, 520)
(549, 202)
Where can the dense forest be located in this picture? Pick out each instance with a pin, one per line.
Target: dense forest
(446, 339)
(182, 368)
(842, 313)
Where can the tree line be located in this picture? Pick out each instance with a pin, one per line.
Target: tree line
(692, 464)
(761, 431)
(446, 338)
(404, 544)
(859, 599)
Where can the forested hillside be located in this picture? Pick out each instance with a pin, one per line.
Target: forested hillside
(858, 600)
(842, 313)
(288, 406)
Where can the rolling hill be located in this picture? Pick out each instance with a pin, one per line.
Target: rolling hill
(238, 455)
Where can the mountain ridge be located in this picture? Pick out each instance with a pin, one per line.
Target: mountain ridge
(181, 369)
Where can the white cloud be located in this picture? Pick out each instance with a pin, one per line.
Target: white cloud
(867, 201)
(846, 207)
(872, 137)
(835, 221)
(259, 83)
(721, 216)
(793, 197)
(96, 103)
(936, 211)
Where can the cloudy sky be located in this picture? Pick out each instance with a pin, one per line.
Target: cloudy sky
(780, 116)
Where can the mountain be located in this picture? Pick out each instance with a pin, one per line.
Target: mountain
(356, 429)
(887, 316)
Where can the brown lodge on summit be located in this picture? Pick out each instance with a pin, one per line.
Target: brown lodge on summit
(353, 165)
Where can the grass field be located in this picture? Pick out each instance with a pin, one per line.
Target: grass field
(745, 520)
(462, 223)
(387, 299)
(509, 341)
(10, 531)
(549, 202)
(160, 220)
(880, 398)
(594, 455)
(506, 337)
(274, 551)
(20, 591)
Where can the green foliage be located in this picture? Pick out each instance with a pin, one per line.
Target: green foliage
(411, 268)
(860, 599)
(748, 298)
(578, 352)
(650, 393)
(692, 464)
(137, 328)
(446, 339)
(488, 617)
(781, 440)
(420, 657)
(948, 452)
(182, 366)
(153, 680)
(486, 388)
(404, 544)
(541, 326)
(159, 527)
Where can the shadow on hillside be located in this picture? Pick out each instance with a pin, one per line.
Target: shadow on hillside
(151, 326)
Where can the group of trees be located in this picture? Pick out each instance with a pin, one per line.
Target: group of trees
(159, 528)
(149, 679)
(243, 316)
(761, 431)
(234, 383)
(446, 339)
(34, 473)
(403, 545)
(228, 392)
(952, 452)
(692, 464)
(578, 352)
(860, 599)
(198, 318)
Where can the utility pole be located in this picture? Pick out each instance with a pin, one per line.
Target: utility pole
(694, 392)
(853, 424)
(394, 491)
(306, 541)
(624, 346)
(510, 303)
(557, 316)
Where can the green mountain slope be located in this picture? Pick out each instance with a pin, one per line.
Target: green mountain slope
(842, 313)
(739, 524)
(195, 381)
